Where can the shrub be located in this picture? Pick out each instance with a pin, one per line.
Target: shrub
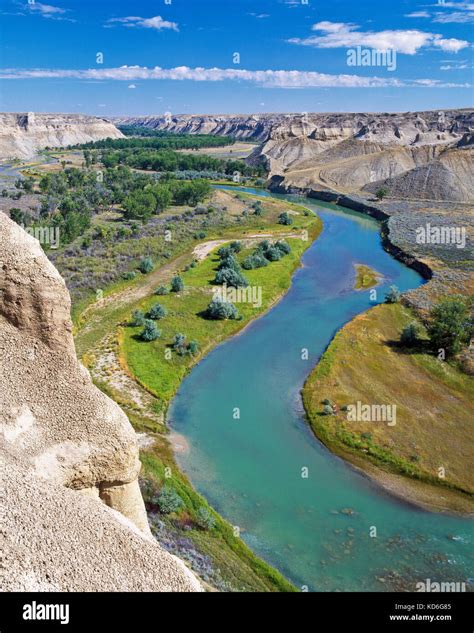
(162, 290)
(146, 265)
(381, 193)
(254, 261)
(131, 274)
(205, 519)
(150, 331)
(157, 311)
(283, 247)
(235, 246)
(200, 235)
(177, 284)
(285, 219)
(224, 251)
(179, 344)
(220, 310)
(273, 254)
(393, 295)
(231, 278)
(169, 500)
(229, 262)
(193, 348)
(410, 333)
(138, 318)
(451, 326)
(327, 409)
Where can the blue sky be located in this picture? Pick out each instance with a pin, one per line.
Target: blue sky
(218, 56)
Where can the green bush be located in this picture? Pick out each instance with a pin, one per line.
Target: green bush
(285, 219)
(131, 274)
(157, 311)
(205, 518)
(451, 324)
(138, 318)
(220, 310)
(169, 500)
(283, 247)
(162, 290)
(177, 284)
(231, 278)
(146, 265)
(193, 348)
(410, 334)
(150, 331)
(229, 262)
(254, 261)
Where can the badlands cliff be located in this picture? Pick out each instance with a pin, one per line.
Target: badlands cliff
(22, 135)
(414, 155)
(72, 514)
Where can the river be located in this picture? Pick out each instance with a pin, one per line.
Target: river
(315, 530)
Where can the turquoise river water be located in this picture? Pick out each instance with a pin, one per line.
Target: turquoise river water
(250, 469)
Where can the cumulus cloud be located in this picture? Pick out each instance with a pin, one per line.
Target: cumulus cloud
(343, 35)
(265, 78)
(157, 23)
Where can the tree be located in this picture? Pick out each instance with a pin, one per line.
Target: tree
(285, 219)
(177, 284)
(220, 310)
(410, 334)
(146, 265)
(381, 193)
(157, 312)
(163, 197)
(150, 331)
(393, 295)
(231, 278)
(451, 325)
(139, 205)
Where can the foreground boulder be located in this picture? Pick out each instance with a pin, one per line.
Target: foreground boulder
(75, 518)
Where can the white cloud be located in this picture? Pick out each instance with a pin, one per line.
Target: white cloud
(461, 13)
(265, 78)
(342, 35)
(157, 23)
(45, 9)
(418, 14)
(132, 86)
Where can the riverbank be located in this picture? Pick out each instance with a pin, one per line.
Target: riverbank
(424, 455)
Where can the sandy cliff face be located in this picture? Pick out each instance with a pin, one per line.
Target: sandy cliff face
(416, 155)
(22, 135)
(74, 518)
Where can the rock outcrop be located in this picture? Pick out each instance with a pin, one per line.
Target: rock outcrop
(22, 135)
(72, 513)
(415, 155)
